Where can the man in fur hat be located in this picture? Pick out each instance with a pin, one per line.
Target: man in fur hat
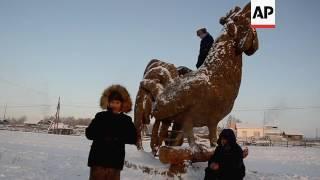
(110, 130)
(205, 45)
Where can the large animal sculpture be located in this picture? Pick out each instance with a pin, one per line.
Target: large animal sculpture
(185, 98)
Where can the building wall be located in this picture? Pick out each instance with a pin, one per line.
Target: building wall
(249, 132)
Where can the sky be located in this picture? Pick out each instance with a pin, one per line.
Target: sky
(76, 48)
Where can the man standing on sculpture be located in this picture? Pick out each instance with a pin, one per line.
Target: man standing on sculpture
(205, 45)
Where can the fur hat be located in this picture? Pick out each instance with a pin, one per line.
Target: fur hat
(229, 135)
(114, 92)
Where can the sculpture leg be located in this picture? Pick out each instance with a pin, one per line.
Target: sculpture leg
(213, 134)
(142, 111)
(139, 141)
(154, 143)
(138, 124)
(140, 134)
(163, 132)
(176, 135)
(188, 130)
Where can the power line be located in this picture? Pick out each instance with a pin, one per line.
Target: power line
(5, 111)
(34, 91)
(50, 105)
(277, 108)
(28, 106)
(235, 109)
(89, 106)
(80, 106)
(23, 86)
(41, 93)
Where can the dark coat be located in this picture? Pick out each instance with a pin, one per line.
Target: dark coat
(230, 160)
(205, 46)
(110, 132)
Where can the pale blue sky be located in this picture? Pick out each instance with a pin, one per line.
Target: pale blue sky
(76, 48)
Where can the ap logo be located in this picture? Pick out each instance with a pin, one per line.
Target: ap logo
(263, 14)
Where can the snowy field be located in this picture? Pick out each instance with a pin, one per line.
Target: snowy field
(35, 156)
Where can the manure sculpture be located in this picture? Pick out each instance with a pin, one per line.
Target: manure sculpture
(184, 98)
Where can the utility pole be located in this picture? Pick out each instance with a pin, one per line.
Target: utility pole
(54, 126)
(316, 133)
(264, 123)
(5, 111)
(57, 115)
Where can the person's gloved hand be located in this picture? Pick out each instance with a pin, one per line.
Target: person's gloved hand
(245, 152)
(214, 166)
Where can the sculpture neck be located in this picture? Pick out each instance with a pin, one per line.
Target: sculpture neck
(222, 58)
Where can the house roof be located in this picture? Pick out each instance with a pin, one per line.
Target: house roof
(248, 126)
(63, 126)
(295, 133)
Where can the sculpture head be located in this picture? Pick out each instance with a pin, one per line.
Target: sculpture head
(238, 26)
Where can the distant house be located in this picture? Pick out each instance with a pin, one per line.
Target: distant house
(30, 125)
(79, 129)
(293, 136)
(43, 125)
(247, 130)
(44, 122)
(250, 131)
(272, 132)
(61, 129)
(4, 122)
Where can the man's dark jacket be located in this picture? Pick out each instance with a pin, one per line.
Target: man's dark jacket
(205, 46)
(110, 132)
(229, 157)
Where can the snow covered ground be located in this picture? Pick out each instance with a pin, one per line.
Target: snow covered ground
(35, 156)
